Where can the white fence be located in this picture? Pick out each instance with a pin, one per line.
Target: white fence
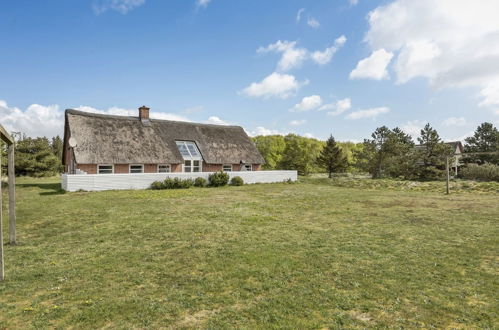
(98, 182)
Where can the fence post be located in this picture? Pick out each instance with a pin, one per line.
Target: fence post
(1, 225)
(12, 196)
(447, 173)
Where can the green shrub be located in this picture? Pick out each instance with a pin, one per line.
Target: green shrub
(236, 181)
(169, 183)
(175, 183)
(156, 185)
(218, 179)
(485, 172)
(200, 182)
(187, 183)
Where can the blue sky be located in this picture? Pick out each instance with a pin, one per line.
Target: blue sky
(315, 68)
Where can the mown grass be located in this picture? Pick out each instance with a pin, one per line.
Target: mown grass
(307, 255)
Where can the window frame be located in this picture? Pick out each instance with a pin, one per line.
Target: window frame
(227, 165)
(191, 148)
(186, 146)
(192, 167)
(130, 168)
(250, 169)
(168, 166)
(99, 165)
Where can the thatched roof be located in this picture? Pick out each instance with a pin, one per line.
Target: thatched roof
(105, 139)
(456, 145)
(453, 144)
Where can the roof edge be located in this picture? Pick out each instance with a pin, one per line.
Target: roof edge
(99, 115)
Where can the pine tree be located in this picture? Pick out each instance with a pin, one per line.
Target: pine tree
(432, 153)
(332, 158)
(485, 139)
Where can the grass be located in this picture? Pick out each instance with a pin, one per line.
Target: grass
(309, 255)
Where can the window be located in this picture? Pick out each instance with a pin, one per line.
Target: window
(188, 149)
(164, 169)
(136, 168)
(196, 166)
(105, 169)
(192, 166)
(227, 168)
(187, 166)
(247, 167)
(192, 157)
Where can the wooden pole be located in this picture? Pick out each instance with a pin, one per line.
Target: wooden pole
(12, 197)
(448, 174)
(1, 225)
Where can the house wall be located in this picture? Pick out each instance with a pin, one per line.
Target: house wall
(88, 168)
(150, 168)
(97, 182)
(121, 168)
(153, 168)
(235, 167)
(212, 167)
(176, 168)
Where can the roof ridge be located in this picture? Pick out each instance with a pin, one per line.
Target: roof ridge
(101, 115)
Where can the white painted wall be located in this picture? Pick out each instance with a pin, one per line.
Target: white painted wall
(99, 182)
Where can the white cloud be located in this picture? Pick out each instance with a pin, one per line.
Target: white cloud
(490, 94)
(274, 85)
(202, 3)
(325, 56)
(309, 135)
(40, 120)
(368, 113)
(297, 122)
(217, 121)
(452, 43)
(133, 113)
(298, 14)
(373, 67)
(36, 120)
(312, 22)
(337, 107)
(353, 2)
(121, 6)
(164, 116)
(293, 56)
(413, 127)
(455, 121)
(307, 103)
(260, 130)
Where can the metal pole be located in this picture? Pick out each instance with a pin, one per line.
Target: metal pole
(448, 174)
(12, 196)
(1, 224)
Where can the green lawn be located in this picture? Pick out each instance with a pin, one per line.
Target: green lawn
(315, 254)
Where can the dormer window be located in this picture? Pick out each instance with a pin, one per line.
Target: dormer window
(192, 156)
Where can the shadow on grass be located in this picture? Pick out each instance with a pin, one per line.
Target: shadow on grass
(55, 188)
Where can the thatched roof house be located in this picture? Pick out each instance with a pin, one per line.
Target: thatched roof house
(95, 143)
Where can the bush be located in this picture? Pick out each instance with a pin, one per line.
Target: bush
(236, 181)
(156, 185)
(175, 183)
(169, 183)
(200, 182)
(187, 183)
(218, 179)
(485, 172)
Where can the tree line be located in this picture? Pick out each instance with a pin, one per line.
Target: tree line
(36, 157)
(387, 153)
